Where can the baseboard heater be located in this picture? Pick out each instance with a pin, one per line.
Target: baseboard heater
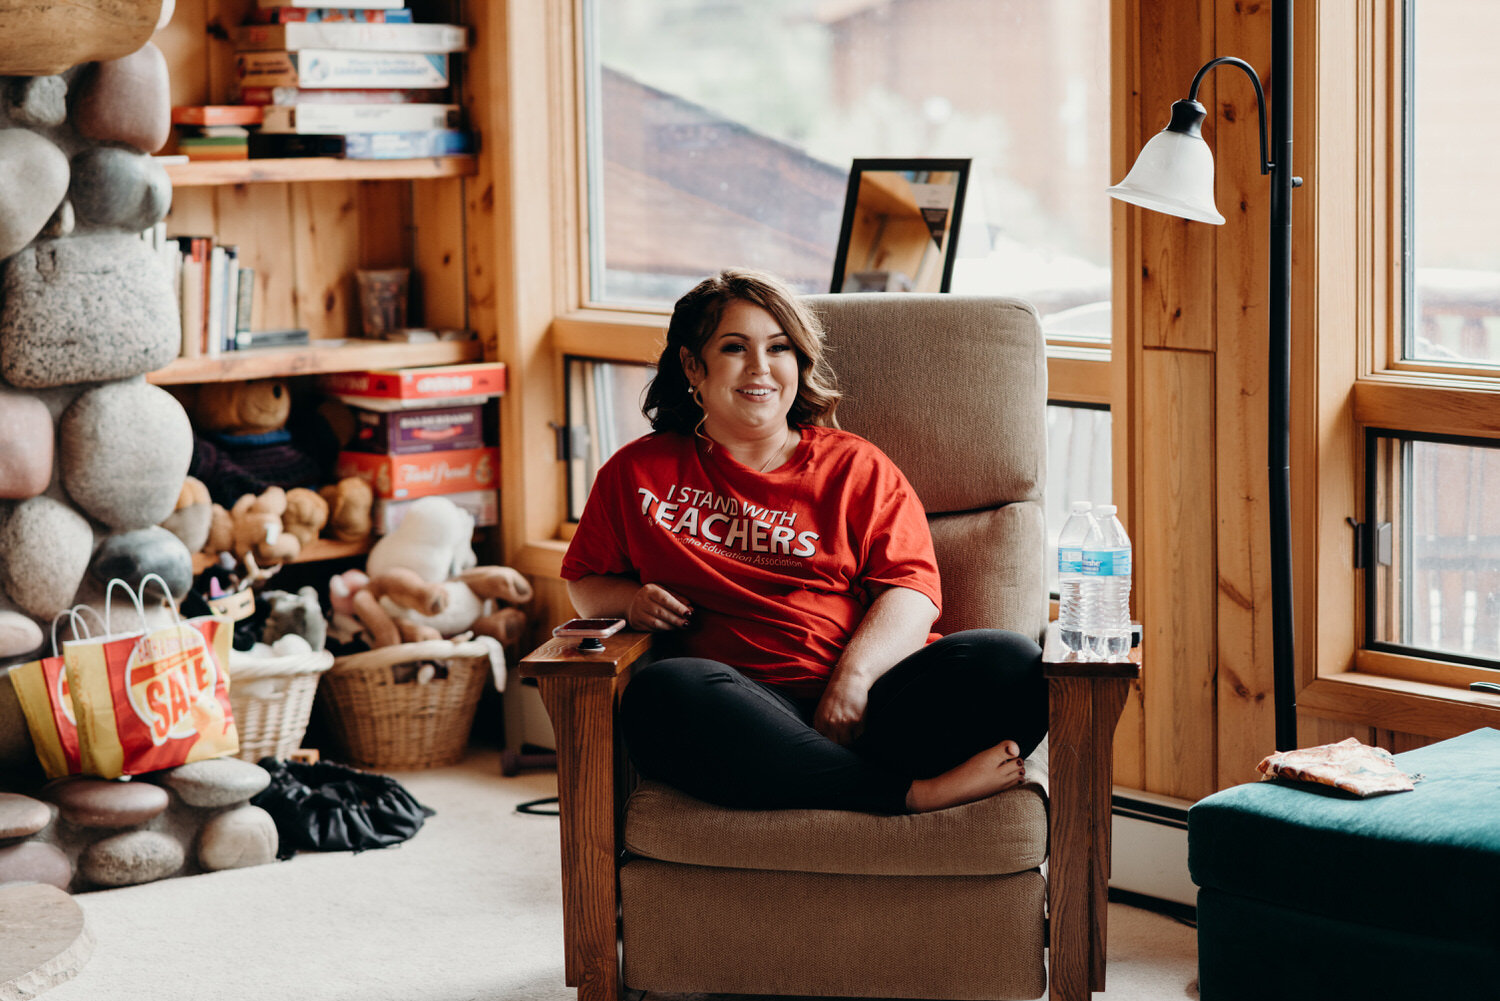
(1149, 865)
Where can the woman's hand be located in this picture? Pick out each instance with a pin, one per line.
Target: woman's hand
(655, 609)
(840, 714)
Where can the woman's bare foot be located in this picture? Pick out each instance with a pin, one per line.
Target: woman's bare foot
(985, 774)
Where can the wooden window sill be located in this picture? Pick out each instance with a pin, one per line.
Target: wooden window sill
(1400, 704)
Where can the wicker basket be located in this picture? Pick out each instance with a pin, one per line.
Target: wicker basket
(272, 699)
(384, 715)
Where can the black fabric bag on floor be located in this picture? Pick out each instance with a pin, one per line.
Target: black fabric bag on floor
(331, 807)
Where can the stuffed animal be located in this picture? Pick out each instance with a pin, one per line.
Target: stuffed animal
(192, 519)
(421, 582)
(246, 439)
(298, 614)
(350, 502)
(271, 527)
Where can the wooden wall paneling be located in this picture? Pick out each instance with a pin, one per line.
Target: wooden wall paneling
(1396, 742)
(1246, 721)
(1314, 730)
(1176, 266)
(326, 246)
(181, 42)
(437, 210)
(1125, 350)
(258, 218)
(1177, 584)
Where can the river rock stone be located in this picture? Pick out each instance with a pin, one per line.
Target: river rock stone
(237, 838)
(91, 802)
(45, 547)
(22, 816)
(125, 449)
(25, 446)
(131, 857)
(36, 179)
(19, 634)
(35, 862)
(130, 556)
(126, 100)
(18, 761)
(38, 101)
(216, 781)
(119, 188)
(85, 309)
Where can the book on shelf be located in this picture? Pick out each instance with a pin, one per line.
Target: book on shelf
(336, 4)
(213, 142)
(353, 35)
(314, 119)
(288, 338)
(287, 15)
(348, 95)
(210, 284)
(403, 388)
(364, 145)
(340, 68)
(215, 114)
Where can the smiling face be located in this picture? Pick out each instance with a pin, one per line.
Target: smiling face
(747, 374)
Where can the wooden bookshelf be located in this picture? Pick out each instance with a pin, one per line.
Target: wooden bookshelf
(319, 549)
(214, 173)
(315, 358)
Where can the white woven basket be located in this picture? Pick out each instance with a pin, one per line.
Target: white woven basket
(272, 699)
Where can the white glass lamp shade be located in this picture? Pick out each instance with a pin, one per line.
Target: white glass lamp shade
(1174, 174)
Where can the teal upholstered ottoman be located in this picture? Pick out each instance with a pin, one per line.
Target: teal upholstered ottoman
(1319, 895)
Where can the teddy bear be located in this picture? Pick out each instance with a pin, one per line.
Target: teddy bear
(350, 503)
(247, 437)
(273, 526)
(421, 582)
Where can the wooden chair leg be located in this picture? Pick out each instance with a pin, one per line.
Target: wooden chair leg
(1083, 714)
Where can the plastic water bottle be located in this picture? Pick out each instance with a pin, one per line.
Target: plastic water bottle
(1070, 578)
(1106, 561)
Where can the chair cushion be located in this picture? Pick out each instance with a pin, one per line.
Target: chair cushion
(1426, 860)
(932, 346)
(1002, 834)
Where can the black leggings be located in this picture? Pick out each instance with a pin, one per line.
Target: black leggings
(705, 728)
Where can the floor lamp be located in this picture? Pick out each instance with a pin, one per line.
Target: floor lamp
(1175, 174)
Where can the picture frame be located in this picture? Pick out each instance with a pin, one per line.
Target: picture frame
(900, 225)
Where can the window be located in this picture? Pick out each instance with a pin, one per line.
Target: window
(1435, 585)
(1078, 467)
(722, 133)
(604, 412)
(1410, 307)
(1452, 205)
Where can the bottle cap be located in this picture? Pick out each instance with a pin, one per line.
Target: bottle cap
(1080, 506)
(1106, 509)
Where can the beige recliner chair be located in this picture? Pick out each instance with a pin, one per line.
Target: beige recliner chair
(950, 904)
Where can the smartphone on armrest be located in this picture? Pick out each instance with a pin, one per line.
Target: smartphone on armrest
(589, 628)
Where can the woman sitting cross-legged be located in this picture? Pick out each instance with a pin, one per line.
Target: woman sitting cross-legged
(789, 565)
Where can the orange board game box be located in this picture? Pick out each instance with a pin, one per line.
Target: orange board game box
(396, 388)
(400, 477)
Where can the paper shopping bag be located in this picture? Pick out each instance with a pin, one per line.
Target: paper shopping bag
(152, 698)
(42, 689)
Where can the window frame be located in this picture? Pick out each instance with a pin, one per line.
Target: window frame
(1351, 293)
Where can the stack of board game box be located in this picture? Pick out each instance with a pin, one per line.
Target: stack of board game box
(423, 431)
(357, 79)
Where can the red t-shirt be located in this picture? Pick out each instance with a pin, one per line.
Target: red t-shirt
(778, 566)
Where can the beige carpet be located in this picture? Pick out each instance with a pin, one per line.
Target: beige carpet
(468, 910)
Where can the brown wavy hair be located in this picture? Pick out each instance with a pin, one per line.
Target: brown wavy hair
(669, 404)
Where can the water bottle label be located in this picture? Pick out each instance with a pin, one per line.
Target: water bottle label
(1070, 561)
(1107, 562)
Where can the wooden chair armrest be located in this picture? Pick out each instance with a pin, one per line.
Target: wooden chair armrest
(560, 657)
